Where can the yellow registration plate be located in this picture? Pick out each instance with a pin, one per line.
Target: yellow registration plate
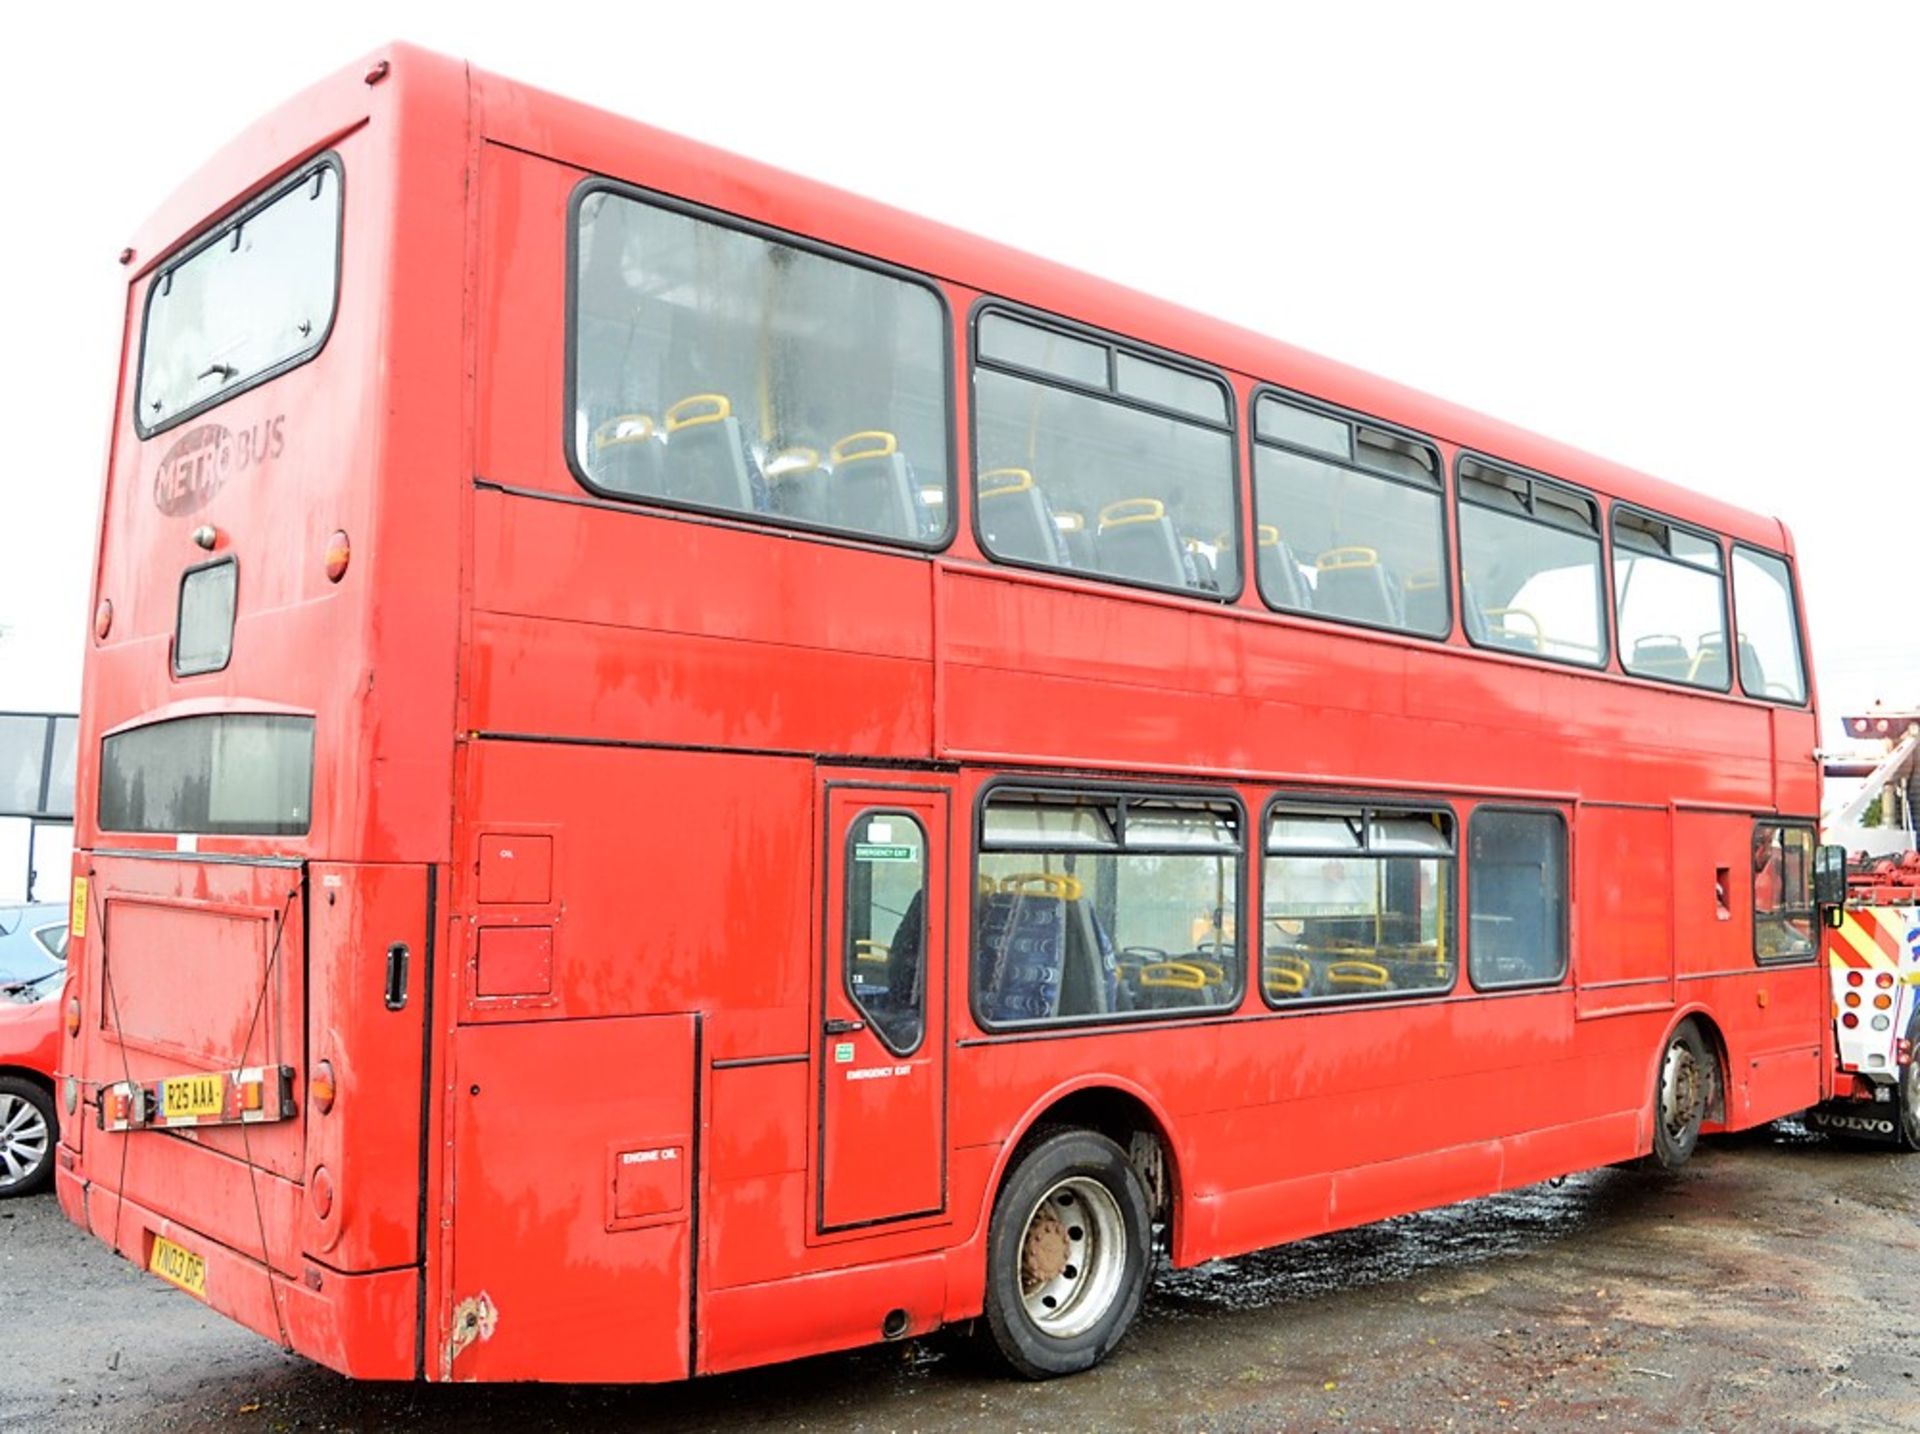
(178, 1267)
(193, 1095)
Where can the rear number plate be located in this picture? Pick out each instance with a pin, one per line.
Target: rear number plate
(178, 1267)
(194, 1095)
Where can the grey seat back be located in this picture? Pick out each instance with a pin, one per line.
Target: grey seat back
(706, 461)
(1352, 584)
(1136, 540)
(872, 489)
(1015, 518)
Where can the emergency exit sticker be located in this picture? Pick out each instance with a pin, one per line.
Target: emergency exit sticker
(843, 1053)
(881, 851)
(77, 923)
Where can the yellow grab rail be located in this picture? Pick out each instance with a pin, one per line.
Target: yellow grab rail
(867, 443)
(626, 428)
(687, 412)
(1018, 480)
(1053, 883)
(1334, 558)
(1132, 510)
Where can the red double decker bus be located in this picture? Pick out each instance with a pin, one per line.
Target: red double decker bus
(681, 770)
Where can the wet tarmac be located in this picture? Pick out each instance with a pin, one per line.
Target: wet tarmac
(1772, 1285)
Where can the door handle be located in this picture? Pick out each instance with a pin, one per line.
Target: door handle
(843, 1026)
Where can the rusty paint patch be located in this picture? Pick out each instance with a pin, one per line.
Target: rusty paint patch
(474, 1318)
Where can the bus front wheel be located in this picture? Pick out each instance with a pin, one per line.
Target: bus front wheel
(1681, 1096)
(1067, 1254)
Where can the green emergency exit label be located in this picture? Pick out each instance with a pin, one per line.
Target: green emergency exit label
(843, 1053)
(881, 851)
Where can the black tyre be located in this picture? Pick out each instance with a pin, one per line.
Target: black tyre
(1910, 1107)
(1067, 1254)
(28, 1132)
(1682, 1091)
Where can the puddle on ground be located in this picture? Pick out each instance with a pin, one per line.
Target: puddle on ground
(1450, 1238)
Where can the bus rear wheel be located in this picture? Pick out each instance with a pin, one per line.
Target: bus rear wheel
(1680, 1097)
(1067, 1254)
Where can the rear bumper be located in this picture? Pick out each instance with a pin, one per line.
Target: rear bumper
(363, 1326)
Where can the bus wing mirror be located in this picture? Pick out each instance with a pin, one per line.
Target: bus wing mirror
(1830, 882)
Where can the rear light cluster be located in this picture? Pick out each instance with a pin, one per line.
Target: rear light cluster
(320, 1087)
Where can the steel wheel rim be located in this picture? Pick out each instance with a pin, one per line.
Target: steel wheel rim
(1682, 1096)
(24, 1140)
(1073, 1257)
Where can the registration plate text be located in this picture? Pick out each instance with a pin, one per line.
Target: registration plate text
(178, 1267)
(193, 1095)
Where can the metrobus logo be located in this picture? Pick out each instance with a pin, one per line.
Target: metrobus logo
(200, 462)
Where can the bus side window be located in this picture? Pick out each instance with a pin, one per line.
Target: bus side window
(1516, 898)
(1782, 891)
(1137, 450)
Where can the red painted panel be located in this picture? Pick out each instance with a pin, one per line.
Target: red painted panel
(1713, 920)
(543, 1112)
(1623, 912)
(516, 868)
(690, 882)
(812, 1314)
(369, 1142)
(634, 685)
(514, 961)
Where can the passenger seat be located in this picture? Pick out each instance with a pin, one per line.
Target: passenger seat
(873, 489)
(628, 452)
(1352, 584)
(1136, 540)
(706, 461)
(1015, 519)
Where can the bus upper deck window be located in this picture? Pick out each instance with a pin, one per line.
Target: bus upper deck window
(722, 370)
(252, 298)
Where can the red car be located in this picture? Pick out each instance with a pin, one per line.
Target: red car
(32, 968)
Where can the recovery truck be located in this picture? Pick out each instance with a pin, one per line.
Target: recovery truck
(1872, 934)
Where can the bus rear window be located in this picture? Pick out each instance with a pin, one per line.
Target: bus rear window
(234, 774)
(251, 299)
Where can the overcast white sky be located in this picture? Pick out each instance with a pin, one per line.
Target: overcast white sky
(1681, 236)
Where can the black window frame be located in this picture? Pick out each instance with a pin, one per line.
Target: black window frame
(1735, 548)
(205, 239)
(231, 560)
(1603, 595)
(1367, 805)
(1120, 792)
(846, 926)
(778, 522)
(1114, 344)
(1566, 897)
(1694, 530)
(1354, 420)
(1797, 958)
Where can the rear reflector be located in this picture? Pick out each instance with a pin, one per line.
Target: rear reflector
(339, 554)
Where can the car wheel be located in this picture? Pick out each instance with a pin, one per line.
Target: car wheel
(1680, 1096)
(1067, 1254)
(28, 1130)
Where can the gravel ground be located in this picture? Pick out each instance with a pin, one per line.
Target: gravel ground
(1773, 1285)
